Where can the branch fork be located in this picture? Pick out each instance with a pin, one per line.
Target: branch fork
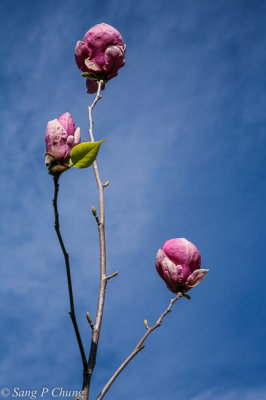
(140, 345)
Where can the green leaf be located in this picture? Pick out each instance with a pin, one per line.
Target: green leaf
(94, 77)
(88, 75)
(83, 154)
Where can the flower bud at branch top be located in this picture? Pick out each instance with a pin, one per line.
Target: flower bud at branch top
(61, 136)
(178, 264)
(100, 55)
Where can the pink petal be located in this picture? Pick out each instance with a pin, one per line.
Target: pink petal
(114, 60)
(196, 277)
(173, 275)
(168, 271)
(99, 38)
(183, 252)
(81, 53)
(92, 86)
(104, 34)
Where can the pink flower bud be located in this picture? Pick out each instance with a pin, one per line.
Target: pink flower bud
(101, 54)
(61, 136)
(178, 264)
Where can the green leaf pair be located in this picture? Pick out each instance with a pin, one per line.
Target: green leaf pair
(82, 155)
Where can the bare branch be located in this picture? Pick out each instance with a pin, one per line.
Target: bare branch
(103, 280)
(139, 346)
(66, 257)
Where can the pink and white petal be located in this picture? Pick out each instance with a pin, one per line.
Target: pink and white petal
(54, 132)
(196, 277)
(92, 86)
(82, 52)
(114, 60)
(67, 123)
(56, 137)
(77, 136)
(179, 274)
(159, 256)
(92, 66)
(158, 262)
(166, 274)
(175, 271)
(170, 271)
(49, 158)
(70, 141)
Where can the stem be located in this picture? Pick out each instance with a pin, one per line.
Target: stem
(139, 346)
(66, 256)
(103, 279)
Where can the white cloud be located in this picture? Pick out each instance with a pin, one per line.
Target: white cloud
(248, 393)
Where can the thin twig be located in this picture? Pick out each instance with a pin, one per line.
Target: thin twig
(139, 346)
(66, 256)
(103, 280)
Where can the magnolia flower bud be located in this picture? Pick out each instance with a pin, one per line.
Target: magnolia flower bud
(178, 264)
(61, 136)
(100, 55)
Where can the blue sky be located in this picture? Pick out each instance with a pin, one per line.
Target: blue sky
(184, 124)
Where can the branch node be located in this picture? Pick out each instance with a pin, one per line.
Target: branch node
(138, 348)
(112, 275)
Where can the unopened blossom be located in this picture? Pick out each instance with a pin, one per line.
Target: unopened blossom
(61, 136)
(100, 54)
(178, 264)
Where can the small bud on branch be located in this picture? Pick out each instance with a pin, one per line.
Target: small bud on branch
(89, 320)
(112, 276)
(94, 213)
